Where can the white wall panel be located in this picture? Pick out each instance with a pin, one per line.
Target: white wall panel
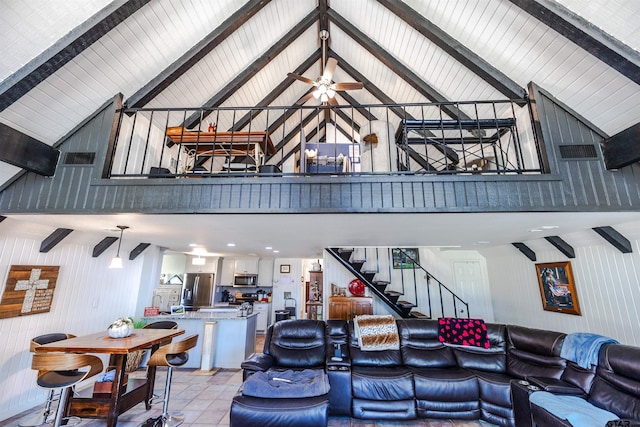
(88, 297)
(607, 285)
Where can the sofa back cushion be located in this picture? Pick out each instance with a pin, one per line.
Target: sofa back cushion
(298, 343)
(534, 352)
(371, 358)
(420, 345)
(492, 359)
(616, 386)
(578, 376)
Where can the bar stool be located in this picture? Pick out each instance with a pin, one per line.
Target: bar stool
(34, 420)
(61, 371)
(172, 355)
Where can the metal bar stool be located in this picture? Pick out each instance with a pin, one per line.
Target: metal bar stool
(61, 371)
(34, 420)
(172, 355)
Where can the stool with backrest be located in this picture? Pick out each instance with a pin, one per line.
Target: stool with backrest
(61, 371)
(172, 355)
(41, 418)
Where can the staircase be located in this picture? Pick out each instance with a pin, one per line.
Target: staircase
(394, 298)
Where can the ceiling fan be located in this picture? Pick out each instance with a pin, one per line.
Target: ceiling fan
(325, 87)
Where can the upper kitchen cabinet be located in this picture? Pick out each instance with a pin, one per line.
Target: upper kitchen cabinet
(226, 272)
(246, 266)
(265, 273)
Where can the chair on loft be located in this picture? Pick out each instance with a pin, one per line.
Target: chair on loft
(172, 356)
(61, 371)
(39, 419)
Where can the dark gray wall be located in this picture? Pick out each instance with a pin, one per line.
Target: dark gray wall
(573, 184)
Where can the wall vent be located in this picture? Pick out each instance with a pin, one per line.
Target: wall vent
(79, 158)
(578, 151)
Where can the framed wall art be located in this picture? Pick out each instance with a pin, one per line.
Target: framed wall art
(28, 290)
(405, 257)
(557, 288)
(285, 268)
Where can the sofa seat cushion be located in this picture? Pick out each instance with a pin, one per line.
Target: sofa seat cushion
(446, 393)
(381, 383)
(287, 384)
(494, 388)
(255, 411)
(574, 409)
(451, 384)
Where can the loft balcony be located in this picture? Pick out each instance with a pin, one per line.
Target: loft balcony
(484, 137)
(484, 156)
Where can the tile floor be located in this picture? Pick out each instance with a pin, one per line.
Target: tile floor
(205, 401)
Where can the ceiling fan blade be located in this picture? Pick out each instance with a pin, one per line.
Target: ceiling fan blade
(301, 78)
(329, 68)
(304, 98)
(348, 86)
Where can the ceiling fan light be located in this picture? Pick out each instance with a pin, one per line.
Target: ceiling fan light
(331, 93)
(324, 97)
(316, 94)
(322, 88)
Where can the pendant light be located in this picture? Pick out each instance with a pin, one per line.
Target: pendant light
(116, 262)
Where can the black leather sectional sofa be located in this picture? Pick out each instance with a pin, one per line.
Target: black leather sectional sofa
(425, 378)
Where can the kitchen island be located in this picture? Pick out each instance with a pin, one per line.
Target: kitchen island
(224, 344)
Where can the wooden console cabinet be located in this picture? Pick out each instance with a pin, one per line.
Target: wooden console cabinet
(346, 308)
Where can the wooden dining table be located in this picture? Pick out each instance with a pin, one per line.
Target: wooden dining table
(123, 396)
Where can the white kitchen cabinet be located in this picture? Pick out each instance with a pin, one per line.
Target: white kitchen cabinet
(265, 273)
(264, 313)
(246, 266)
(226, 273)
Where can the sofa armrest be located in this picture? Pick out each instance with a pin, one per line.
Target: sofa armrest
(556, 386)
(255, 363)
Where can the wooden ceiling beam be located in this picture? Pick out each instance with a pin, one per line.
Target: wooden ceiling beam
(561, 245)
(65, 50)
(170, 74)
(396, 66)
(250, 71)
(460, 53)
(623, 148)
(589, 37)
(54, 238)
(138, 250)
(28, 153)
(103, 245)
(278, 90)
(612, 236)
(526, 250)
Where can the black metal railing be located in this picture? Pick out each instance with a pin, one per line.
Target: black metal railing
(493, 137)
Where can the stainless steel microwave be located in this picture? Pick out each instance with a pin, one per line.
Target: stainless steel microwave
(245, 280)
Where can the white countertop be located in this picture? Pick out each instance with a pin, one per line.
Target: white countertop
(198, 315)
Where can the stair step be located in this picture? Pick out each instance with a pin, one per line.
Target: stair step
(357, 265)
(345, 254)
(405, 304)
(380, 286)
(393, 296)
(419, 315)
(369, 275)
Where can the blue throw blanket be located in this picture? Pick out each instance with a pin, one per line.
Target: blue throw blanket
(574, 409)
(287, 384)
(582, 348)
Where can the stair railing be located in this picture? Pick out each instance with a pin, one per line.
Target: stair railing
(455, 299)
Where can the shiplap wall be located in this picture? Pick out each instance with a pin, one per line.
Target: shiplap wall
(88, 297)
(607, 284)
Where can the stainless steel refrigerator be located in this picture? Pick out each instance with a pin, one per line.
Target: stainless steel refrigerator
(197, 290)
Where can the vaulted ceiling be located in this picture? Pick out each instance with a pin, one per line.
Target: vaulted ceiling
(62, 60)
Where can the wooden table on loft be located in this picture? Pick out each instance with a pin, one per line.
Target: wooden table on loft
(122, 398)
(234, 143)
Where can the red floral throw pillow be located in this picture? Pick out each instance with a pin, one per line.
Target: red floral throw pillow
(471, 332)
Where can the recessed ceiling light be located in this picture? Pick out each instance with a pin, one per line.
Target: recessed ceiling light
(482, 242)
(193, 245)
(535, 230)
(231, 244)
(268, 248)
(276, 251)
(549, 227)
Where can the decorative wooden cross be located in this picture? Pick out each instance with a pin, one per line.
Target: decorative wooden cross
(31, 286)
